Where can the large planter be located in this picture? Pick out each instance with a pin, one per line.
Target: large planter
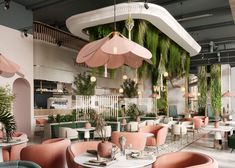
(104, 149)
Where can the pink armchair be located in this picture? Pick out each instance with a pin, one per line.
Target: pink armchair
(160, 134)
(13, 153)
(205, 120)
(49, 154)
(197, 122)
(78, 148)
(137, 139)
(185, 159)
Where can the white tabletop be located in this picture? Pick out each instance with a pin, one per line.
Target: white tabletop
(121, 162)
(85, 129)
(220, 128)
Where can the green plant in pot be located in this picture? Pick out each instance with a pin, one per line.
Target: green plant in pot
(85, 84)
(133, 112)
(104, 147)
(130, 88)
(6, 98)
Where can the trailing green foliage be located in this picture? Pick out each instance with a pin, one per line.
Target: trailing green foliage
(215, 89)
(63, 118)
(133, 111)
(6, 98)
(202, 88)
(84, 85)
(130, 88)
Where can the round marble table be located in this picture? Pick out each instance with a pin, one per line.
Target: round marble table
(14, 142)
(86, 132)
(121, 161)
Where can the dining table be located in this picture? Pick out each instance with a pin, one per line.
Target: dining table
(121, 161)
(86, 132)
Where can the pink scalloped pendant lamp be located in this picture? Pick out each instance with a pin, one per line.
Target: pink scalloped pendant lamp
(8, 68)
(113, 51)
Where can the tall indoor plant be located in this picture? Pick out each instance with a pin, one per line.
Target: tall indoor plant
(215, 90)
(6, 98)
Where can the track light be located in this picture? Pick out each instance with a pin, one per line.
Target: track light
(146, 4)
(7, 4)
(25, 32)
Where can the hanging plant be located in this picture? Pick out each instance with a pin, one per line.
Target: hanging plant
(6, 98)
(202, 88)
(215, 89)
(84, 85)
(130, 88)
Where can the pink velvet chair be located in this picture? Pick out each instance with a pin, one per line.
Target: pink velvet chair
(79, 148)
(137, 139)
(50, 154)
(197, 122)
(205, 120)
(13, 153)
(185, 160)
(160, 134)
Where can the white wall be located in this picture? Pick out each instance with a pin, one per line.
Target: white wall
(20, 50)
(232, 83)
(175, 97)
(55, 63)
(225, 85)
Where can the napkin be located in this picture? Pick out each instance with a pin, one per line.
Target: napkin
(101, 163)
(138, 155)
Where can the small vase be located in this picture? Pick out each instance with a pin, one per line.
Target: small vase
(123, 121)
(104, 149)
(87, 125)
(216, 124)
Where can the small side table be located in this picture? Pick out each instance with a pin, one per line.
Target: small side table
(86, 132)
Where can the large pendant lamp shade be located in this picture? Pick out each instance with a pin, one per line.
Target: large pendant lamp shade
(8, 68)
(113, 51)
(228, 94)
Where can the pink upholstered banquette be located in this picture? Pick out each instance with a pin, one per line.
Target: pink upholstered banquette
(185, 160)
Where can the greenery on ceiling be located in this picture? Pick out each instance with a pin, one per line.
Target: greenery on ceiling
(215, 89)
(202, 88)
(130, 88)
(6, 118)
(84, 85)
(167, 55)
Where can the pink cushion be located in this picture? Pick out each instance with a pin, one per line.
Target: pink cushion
(78, 148)
(137, 139)
(49, 154)
(185, 160)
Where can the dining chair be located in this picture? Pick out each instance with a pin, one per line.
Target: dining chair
(49, 154)
(79, 148)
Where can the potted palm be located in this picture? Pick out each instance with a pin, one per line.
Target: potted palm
(104, 147)
(6, 98)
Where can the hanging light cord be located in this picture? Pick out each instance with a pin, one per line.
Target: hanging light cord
(114, 15)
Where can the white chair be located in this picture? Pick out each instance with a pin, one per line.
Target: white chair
(66, 132)
(150, 122)
(190, 126)
(132, 126)
(179, 130)
(106, 131)
(142, 124)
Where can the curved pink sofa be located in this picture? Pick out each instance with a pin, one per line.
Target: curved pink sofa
(13, 153)
(137, 139)
(160, 134)
(49, 154)
(185, 160)
(79, 148)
